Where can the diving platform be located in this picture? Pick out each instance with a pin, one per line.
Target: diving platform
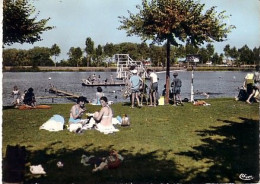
(124, 62)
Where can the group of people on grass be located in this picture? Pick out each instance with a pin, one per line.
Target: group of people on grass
(139, 89)
(27, 98)
(249, 92)
(102, 119)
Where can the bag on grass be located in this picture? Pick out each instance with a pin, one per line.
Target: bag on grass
(125, 121)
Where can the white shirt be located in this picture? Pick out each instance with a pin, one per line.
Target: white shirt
(153, 77)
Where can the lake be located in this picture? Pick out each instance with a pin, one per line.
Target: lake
(215, 83)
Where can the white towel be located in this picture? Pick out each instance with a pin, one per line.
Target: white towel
(37, 169)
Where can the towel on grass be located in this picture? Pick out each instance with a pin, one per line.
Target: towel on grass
(55, 123)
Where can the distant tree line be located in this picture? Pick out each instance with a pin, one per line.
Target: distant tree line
(21, 25)
(98, 56)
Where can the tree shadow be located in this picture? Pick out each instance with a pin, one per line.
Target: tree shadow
(231, 150)
(140, 167)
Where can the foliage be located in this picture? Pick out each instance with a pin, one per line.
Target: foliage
(55, 51)
(37, 56)
(109, 49)
(17, 57)
(246, 55)
(157, 55)
(75, 56)
(175, 21)
(20, 25)
(186, 144)
(90, 50)
(40, 56)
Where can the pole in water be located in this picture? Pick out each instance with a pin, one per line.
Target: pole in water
(191, 89)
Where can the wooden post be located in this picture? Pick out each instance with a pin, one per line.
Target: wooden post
(166, 100)
(191, 89)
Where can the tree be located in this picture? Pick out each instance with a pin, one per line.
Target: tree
(75, 56)
(256, 53)
(143, 50)
(227, 50)
(40, 56)
(89, 49)
(99, 52)
(20, 25)
(109, 49)
(156, 55)
(203, 55)
(246, 55)
(55, 51)
(210, 50)
(175, 21)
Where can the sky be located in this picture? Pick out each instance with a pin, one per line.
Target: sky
(76, 20)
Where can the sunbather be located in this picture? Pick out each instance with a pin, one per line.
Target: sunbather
(77, 111)
(103, 118)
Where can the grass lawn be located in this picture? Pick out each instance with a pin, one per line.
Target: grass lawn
(164, 144)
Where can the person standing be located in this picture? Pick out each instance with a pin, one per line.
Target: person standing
(257, 78)
(153, 87)
(176, 89)
(135, 82)
(112, 79)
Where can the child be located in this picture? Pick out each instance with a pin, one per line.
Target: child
(16, 96)
(176, 89)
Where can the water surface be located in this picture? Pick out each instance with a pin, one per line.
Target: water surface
(216, 83)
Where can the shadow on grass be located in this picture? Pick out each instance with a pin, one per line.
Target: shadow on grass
(232, 150)
(136, 167)
(227, 151)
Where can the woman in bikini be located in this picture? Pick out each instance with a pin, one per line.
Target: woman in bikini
(77, 111)
(103, 118)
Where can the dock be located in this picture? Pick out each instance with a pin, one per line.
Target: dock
(104, 84)
(63, 93)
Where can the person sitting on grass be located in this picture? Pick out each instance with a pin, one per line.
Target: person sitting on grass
(77, 111)
(16, 96)
(103, 118)
(29, 98)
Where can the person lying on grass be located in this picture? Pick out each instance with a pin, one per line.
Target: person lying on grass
(77, 111)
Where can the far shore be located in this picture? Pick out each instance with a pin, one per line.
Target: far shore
(114, 69)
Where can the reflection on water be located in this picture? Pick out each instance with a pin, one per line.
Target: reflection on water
(216, 84)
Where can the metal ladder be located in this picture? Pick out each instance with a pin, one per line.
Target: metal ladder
(124, 62)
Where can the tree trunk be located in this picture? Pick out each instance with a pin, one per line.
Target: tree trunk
(166, 100)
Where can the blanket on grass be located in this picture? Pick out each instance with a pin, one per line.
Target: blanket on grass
(55, 123)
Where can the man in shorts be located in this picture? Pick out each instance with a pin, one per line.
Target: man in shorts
(176, 89)
(153, 87)
(135, 81)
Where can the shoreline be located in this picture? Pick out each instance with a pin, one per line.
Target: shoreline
(114, 69)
